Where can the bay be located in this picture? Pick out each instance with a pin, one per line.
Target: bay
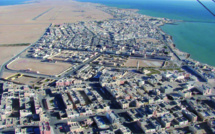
(196, 35)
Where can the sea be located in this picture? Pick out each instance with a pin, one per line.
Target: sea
(195, 35)
(12, 2)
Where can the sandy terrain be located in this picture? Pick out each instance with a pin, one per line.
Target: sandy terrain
(7, 52)
(17, 33)
(132, 62)
(7, 74)
(26, 80)
(147, 40)
(26, 23)
(35, 65)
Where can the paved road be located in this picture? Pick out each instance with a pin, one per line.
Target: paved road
(31, 74)
(4, 66)
(170, 48)
(80, 66)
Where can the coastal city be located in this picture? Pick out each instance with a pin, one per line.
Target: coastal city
(117, 76)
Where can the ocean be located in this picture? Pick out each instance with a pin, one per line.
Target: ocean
(11, 2)
(196, 35)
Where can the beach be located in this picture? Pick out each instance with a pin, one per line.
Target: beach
(194, 35)
(27, 22)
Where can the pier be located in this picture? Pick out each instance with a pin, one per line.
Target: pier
(198, 21)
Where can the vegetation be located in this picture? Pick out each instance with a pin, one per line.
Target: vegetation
(153, 71)
(47, 80)
(37, 87)
(100, 22)
(13, 45)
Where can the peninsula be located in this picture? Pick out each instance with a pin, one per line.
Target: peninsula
(121, 74)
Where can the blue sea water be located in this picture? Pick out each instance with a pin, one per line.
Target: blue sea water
(195, 36)
(11, 2)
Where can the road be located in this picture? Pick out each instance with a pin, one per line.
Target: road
(170, 48)
(80, 66)
(31, 74)
(4, 66)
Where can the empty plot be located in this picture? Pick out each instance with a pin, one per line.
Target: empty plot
(5, 74)
(27, 80)
(25, 23)
(132, 62)
(7, 52)
(34, 65)
(155, 63)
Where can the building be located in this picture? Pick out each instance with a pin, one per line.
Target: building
(112, 117)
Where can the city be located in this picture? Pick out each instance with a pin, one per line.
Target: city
(121, 75)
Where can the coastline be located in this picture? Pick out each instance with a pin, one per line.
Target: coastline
(193, 35)
(20, 3)
(116, 73)
(173, 45)
(33, 2)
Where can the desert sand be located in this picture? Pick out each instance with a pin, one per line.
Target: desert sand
(7, 52)
(27, 22)
(132, 62)
(5, 75)
(35, 65)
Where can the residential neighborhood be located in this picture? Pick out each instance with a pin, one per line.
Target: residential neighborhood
(122, 76)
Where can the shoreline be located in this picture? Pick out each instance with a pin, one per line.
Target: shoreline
(184, 21)
(22, 3)
(173, 46)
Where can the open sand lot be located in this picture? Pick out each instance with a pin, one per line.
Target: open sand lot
(35, 65)
(7, 52)
(27, 80)
(132, 62)
(17, 33)
(27, 22)
(147, 40)
(7, 74)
